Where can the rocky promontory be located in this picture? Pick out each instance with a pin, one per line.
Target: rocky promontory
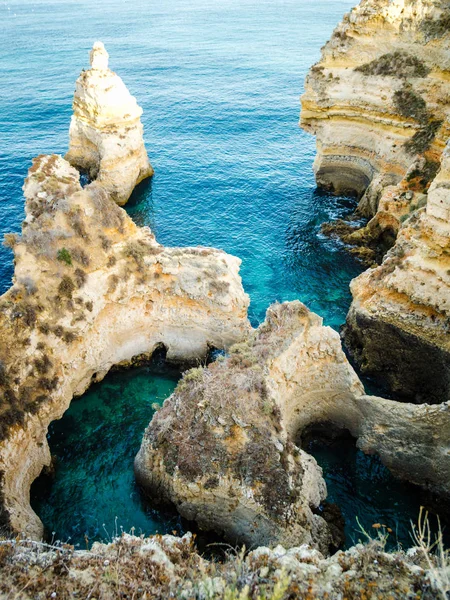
(106, 133)
(224, 448)
(92, 290)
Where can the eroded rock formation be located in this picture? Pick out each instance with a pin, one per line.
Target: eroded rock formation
(106, 133)
(222, 448)
(379, 106)
(398, 327)
(92, 290)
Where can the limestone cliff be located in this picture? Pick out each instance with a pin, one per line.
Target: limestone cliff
(378, 102)
(398, 327)
(223, 447)
(92, 290)
(106, 134)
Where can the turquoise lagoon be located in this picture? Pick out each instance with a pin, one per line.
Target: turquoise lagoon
(219, 82)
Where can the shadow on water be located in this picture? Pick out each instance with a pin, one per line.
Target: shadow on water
(92, 492)
(366, 491)
(140, 205)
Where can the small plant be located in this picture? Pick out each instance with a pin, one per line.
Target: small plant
(10, 240)
(422, 139)
(434, 553)
(66, 287)
(410, 104)
(43, 364)
(80, 256)
(80, 277)
(64, 256)
(435, 28)
(424, 173)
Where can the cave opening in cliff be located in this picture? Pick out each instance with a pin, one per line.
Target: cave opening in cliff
(366, 492)
(90, 489)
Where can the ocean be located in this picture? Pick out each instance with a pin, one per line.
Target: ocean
(219, 82)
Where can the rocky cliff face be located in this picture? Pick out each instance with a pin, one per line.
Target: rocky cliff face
(222, 448)
(106, 131)
(379, 105)
(92, 290)
(379, 94)
(398, 327)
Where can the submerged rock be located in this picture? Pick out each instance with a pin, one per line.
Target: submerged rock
(106, 133)
(222, 448)
(92, 290)
(398, 327)
(376, 101)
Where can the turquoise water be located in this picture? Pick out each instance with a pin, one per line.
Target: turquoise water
(368, 494)
(219, 82)
(94, 493)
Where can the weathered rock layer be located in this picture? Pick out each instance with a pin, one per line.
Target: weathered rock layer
(398, 327)
(379, 106)
(106, 131)
(379, 94)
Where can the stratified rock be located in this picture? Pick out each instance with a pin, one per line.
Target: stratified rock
(221, 448)
(92, 290)
(379, 106)
(398, 327)
(382, 78)
(106, 133)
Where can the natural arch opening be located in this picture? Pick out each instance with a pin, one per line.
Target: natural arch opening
(365, 491)
(89, 492)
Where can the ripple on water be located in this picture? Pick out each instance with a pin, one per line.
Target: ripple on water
(219, 83)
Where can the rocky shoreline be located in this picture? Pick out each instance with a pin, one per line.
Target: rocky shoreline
(91, 290)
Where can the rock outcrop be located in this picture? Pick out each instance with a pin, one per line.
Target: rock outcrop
(162, 567)
(222, 448)
(106, 134)
(92, 290)
(398, 326)
(379, 106)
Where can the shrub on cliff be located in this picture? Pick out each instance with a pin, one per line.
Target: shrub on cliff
(10, 240)
(410, 104)
(435, 28)
(395, 64)
(421, 140)
(66, 287)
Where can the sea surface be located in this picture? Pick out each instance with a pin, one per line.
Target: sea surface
(219, 82)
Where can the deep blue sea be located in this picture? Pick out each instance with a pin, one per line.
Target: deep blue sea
(219, 82)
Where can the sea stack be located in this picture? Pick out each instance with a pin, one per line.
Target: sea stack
(106, 133)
